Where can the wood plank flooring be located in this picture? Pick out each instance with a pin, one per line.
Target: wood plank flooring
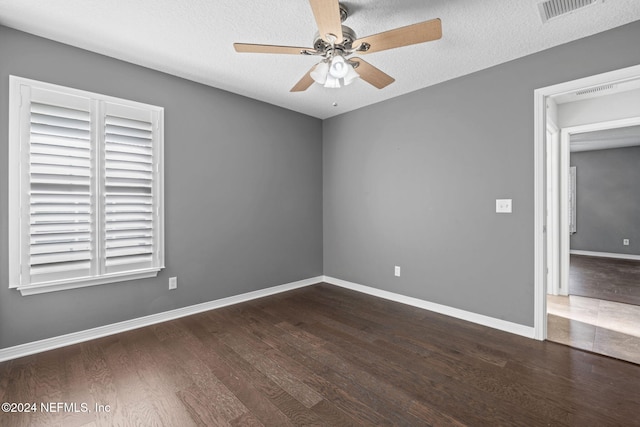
(321, 355)
(608, 279)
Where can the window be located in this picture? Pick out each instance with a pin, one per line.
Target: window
(85, 188)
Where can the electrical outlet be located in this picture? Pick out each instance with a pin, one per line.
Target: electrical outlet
(625, 242)
(396, 271)
(173, 282)
(503, 206)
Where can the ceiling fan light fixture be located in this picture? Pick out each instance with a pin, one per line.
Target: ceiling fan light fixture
(332, 82)
(334, 73)
(320, 73)
(352, 75)
(338, 68)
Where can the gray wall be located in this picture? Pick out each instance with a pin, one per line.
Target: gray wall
(243, 193)
(607, 200)
(258, 196)
(413, 181)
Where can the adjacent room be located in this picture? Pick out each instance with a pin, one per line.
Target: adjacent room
(598, 308)
(283, 213)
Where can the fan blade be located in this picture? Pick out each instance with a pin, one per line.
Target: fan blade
(371, 74)
(267, 48)
(327, 14)
(403, 36)
(304, 82)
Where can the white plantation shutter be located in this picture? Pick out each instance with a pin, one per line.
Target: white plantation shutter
(61, 234)
(129, 188)
(85, 188)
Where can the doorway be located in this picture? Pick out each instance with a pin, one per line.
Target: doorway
(552, 259)
(597, 307)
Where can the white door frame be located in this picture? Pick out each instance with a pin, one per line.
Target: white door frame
(552, 198)
(565, 140)
(540, 189)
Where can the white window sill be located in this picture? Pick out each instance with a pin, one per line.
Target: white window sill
(61, 285)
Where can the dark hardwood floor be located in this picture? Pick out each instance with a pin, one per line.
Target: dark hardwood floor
(608, 279)
(322, 355)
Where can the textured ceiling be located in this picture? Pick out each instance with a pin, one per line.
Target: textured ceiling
(194, 39)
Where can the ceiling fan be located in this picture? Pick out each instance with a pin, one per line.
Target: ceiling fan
(335, 43)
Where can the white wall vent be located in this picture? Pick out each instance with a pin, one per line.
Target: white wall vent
(553, 8)
(595, 89)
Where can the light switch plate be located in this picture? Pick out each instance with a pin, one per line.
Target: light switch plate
(503, 205)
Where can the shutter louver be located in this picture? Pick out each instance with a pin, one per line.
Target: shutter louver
(129, 195)
(60, 215)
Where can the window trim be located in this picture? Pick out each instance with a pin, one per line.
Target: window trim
(19, 179)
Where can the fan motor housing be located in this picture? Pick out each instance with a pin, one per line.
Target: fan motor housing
(348, 37)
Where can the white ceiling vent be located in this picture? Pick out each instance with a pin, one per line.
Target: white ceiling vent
(595, 89)
(554, 8)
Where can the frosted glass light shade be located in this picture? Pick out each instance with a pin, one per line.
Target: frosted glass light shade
(319, 74)
(352, 75)
(334, 73)
(332, 82)
(339, 68)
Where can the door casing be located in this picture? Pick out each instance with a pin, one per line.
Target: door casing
(541, 228)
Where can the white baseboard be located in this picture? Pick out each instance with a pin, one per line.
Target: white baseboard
(503, 325)
(127, 325)
(604, 254)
